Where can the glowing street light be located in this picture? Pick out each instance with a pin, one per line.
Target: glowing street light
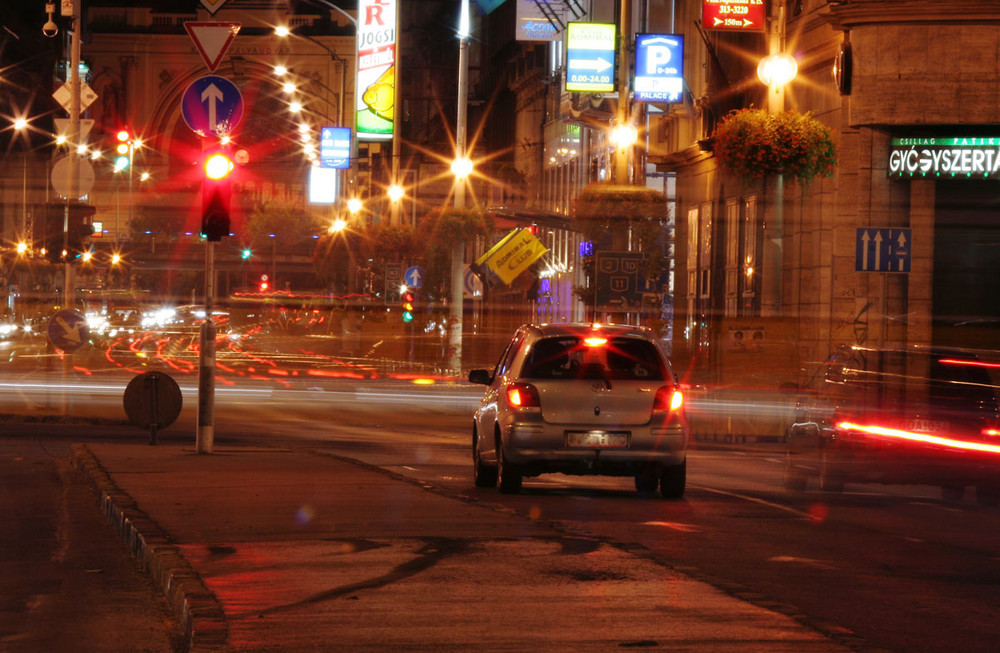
(777, 69)
(337, 226)
(624, 136)
(354, 205)
(396, 192)
(461, 167)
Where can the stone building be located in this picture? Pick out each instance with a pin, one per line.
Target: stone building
(910, 90)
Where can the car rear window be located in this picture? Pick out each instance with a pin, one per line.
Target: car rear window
(570, 357)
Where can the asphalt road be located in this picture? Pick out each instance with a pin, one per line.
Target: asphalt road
(890, 569)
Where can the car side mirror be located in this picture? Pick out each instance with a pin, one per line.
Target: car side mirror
(480, 376)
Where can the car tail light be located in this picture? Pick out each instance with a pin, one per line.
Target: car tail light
(523, 395)
(991, 431)
(668, 399)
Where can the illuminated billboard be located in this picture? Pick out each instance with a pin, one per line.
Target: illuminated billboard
(376, 73)
(659, 67)
(739, 15)
(590, 57)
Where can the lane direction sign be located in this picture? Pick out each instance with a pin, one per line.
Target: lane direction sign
(212, 39)
(68, 330)
(212, 105)
(414, 276)
(882, 250)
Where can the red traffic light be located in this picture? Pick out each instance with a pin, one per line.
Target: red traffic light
(218, 166)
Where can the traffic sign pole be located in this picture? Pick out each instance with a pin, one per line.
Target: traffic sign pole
(205, 437)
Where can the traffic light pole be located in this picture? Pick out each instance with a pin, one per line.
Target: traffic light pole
(204, 440)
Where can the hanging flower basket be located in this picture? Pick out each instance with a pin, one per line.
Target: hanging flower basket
(753, 143)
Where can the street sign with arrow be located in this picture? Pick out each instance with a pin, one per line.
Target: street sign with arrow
(212, 105)
(590, 57)
(68, 330)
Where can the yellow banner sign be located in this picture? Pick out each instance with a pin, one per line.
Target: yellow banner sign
(513, 255)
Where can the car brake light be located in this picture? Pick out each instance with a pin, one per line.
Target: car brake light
(595, 342)
(668, 399)
(523, 395)
(991, 432)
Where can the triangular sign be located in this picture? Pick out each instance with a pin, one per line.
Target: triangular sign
(212, 40)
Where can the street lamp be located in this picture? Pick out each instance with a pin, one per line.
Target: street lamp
(624, 136)
(776, 70)
(396, 192)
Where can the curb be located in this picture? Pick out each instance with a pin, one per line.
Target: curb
(197, 610)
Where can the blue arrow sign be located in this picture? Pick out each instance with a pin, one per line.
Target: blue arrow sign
(68, 330)
(212, 105)
(414, 277)
(882, 250)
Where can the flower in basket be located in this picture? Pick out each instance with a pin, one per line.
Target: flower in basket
(754, 143)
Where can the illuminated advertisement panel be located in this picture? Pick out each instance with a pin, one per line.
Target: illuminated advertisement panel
(539, 20)
(590, 57)
(965, 156)
(376, 73)
(659, 67)
(740, 15)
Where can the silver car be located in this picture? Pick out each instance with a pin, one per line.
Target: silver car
(585, 399)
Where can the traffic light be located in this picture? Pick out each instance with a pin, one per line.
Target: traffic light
(123, 149)
(246, 253)
(81, 225)
(264, 285)
(216, 195)
(409, 300)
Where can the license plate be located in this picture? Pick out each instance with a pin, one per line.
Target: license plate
(592, 439)
(926, 425)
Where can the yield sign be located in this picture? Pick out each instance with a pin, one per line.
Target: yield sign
(212, 40)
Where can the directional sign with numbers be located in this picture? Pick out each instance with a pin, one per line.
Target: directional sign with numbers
(882, 250)
(212, 105)
(590, 57)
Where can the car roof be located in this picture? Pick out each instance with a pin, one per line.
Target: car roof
(576, 328)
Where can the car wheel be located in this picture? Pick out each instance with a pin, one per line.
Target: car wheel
(987, 495)
(795, 478)
(953, 493)
(673, 481)
(646, 481)
(831, 479)
(508, 474)
(483, 474)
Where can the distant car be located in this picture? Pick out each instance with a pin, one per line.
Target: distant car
(581, 399)
(928, 416)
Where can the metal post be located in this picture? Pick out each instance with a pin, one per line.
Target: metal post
(206, 370)
(397, 119)
(623, 114)
(774, 228)
(458, 250)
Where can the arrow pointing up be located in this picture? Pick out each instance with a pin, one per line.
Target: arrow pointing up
(213, 95)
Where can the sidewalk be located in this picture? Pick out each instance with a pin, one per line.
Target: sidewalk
(278, 550)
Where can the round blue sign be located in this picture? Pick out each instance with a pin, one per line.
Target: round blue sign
(414, 277)
(212, 105)
(68, 330)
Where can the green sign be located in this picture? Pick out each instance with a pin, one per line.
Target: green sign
(968, 157)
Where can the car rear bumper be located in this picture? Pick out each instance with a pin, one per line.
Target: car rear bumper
(543, 448)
